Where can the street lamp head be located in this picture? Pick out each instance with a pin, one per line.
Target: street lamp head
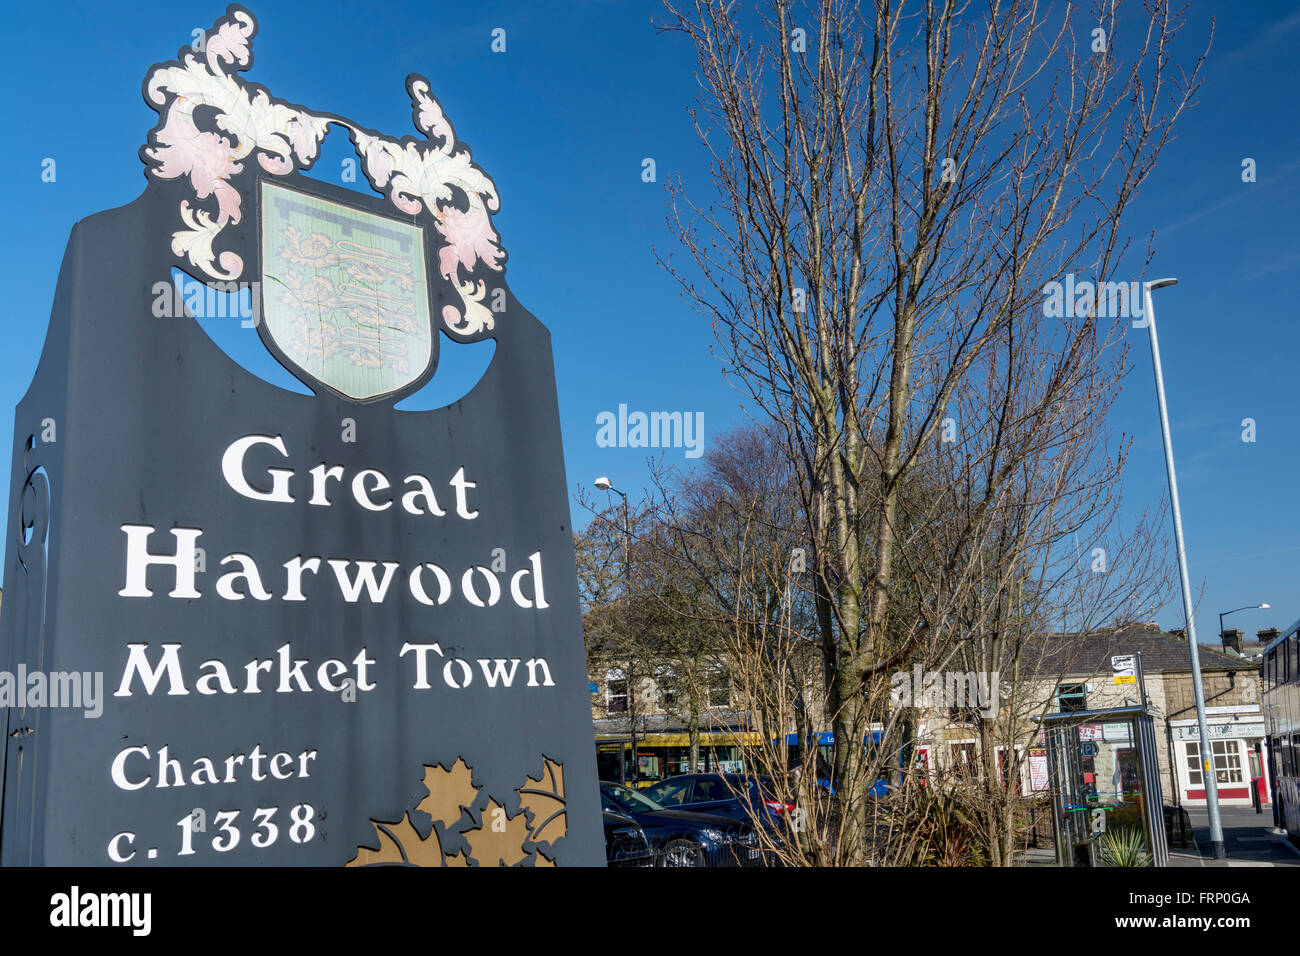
(1263, 607)
(1161, 283)
(603, 483)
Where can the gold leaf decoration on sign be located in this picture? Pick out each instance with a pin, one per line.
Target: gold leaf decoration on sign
(388, 851)
(400, 844)
(494, 844)
(454, 803)
(543, 798)
(451, 791)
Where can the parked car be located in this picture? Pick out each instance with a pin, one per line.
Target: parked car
(825, 780)
(625, 842)
(1178, 826)
(737, 796)
(821, 747)
(684, 838)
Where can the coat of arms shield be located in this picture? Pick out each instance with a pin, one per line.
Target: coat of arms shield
(345, 297)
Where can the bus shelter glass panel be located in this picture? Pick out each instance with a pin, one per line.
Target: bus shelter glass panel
(1106, 789)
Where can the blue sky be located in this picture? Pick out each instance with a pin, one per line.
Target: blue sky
(562, 121)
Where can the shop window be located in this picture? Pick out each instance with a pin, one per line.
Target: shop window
(1193, 759)
(609, 764)
(647, 766)
(1227, 762)
(678, 760)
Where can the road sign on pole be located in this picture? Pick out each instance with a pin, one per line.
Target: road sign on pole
(1124, 668)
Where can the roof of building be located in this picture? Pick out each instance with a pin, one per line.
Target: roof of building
(1161, 652)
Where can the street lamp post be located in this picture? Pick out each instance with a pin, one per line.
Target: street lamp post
(1207, 762)
(1223, 643)
(603, 484)
(1248, 607)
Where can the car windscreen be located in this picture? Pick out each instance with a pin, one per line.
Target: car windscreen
(629, 799)
(670, 793)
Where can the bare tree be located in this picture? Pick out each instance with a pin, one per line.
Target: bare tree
(732, 528)
(896, 184)
(642, 618)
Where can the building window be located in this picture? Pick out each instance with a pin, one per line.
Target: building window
(666, 689)
(719, 687)
(964, 763)
(921, 764)
(616, 690)
(1071, 698)
(1009, 769)
(1227, 762)
(1193, 758)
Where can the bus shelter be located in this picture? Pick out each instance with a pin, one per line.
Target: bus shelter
(1105, 782)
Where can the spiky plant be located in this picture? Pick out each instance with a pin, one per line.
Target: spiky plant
(1124, 846)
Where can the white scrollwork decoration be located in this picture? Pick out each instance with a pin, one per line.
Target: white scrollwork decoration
(432, 175)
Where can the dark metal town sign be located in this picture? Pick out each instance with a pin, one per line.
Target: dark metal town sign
(325, 631)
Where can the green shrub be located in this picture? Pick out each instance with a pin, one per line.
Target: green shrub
(1124, 846)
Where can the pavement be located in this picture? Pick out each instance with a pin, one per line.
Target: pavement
(1248, 838)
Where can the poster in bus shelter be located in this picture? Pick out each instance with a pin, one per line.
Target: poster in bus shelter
(256, 625)
(1038, 780)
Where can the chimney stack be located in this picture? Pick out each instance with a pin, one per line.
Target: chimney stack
(1268, 635)
(1232, 639)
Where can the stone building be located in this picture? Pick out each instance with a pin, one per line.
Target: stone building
(647, 713)
(1052, 673)
(1234, 714)
(1074, 673)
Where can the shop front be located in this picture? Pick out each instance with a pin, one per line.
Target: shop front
(657, 755)
(1237, 748)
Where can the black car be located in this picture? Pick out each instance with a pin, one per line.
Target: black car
(625, 842)
(683, 838)
(739, 797)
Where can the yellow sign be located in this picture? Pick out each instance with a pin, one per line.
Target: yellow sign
(1124, 668)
